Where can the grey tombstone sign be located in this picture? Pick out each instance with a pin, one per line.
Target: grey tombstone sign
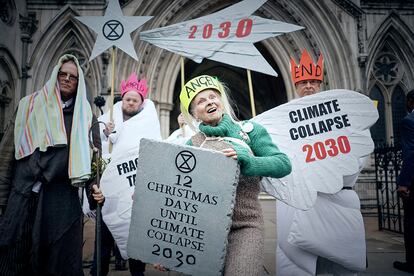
(183, 201)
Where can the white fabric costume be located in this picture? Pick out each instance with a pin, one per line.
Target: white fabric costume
(181, 135)
(127, 134)
(116, 179)
(324, 230)
(334, 221)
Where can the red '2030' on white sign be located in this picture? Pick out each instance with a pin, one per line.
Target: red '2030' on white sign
(330, 147)
(244, 28)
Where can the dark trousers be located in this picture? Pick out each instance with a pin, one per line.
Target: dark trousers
(408, 204)
(63, 257)
(16, 258)
(136, 267)
(107, 244)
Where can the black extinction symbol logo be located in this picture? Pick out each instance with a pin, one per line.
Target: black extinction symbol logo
(113, 30)
(185, 161)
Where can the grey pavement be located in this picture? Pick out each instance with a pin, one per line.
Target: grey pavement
(383, 247)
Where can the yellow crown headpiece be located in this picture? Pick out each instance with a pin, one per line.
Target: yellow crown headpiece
(195, 86)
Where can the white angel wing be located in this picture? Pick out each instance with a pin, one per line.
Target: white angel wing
(324, 135)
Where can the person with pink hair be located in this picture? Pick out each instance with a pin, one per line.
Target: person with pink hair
(134, 117)
(133, 108)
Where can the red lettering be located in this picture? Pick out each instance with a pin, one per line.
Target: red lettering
(193, 29)
(244, 28)
(296, 72)
(225, 26)
(309, 149)
(318, 71)
(207, 31)
(340, 145)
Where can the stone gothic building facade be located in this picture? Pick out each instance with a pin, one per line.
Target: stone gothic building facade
(368, 46)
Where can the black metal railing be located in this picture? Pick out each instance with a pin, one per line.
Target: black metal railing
(388, 160)
(367, 192)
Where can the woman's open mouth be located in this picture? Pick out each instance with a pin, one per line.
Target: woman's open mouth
(212, 110)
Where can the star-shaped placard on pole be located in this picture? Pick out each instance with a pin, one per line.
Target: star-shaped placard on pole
(225, 36)
(113, 29)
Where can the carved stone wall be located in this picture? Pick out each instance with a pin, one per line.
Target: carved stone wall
(360, 41)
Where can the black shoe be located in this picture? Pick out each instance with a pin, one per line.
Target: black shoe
(404, 267)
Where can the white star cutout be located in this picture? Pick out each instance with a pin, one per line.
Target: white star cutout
(113, 29)
(225, 36)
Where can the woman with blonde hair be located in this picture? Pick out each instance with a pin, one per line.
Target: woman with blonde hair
(204, 100)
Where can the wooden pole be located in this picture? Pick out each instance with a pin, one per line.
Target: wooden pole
(97, 158)
(98, 232)
(182, 72)
(249, 80)
(111, 98)
(182, 85)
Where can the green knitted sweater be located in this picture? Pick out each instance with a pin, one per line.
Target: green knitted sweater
(267, 159)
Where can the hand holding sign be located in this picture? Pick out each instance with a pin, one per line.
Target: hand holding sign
(324, 135)
(173, 211)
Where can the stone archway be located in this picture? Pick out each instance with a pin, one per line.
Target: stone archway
(323, 34)
(269, 91)
(389, 67)
(9, 87)
(65, 34)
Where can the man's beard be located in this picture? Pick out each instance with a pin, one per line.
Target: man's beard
(131, 113)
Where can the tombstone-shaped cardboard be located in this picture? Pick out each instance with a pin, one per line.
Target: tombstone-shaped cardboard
(183, 201)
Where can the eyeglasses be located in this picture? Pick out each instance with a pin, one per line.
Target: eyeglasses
(67, 76)
(305, 82)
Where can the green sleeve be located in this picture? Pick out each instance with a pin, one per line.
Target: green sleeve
(268, 160)
(189, 142)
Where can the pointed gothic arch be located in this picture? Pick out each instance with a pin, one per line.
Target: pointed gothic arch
(8, 12)
(398, 113)
(9, 79)
(323, 34)
(64, 34)
(393, 31)
(379, 130)
(269, 91)
(10, 65)
(388, 65)
(162, 68)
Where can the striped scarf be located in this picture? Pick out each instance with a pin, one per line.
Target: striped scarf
(39, 124)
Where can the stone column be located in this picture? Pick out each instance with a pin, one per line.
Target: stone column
(164, 110)
(362, 52)
(28, 25)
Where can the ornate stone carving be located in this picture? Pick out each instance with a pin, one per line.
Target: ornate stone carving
(28, 25)
(349, 7)
(362, 60)
(360, 17)
(7, 11)
(297, 20)
(4, 88)
(387, 69)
